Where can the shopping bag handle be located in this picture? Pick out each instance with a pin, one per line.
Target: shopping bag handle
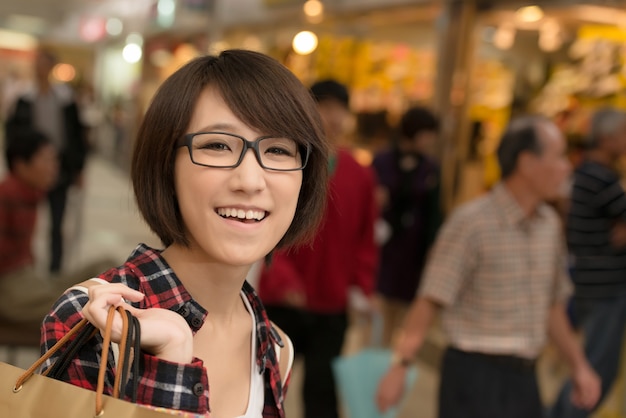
(104, 356)
(31, 370)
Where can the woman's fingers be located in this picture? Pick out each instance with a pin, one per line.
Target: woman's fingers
(101, 298)
(116, 289)
(165, 333)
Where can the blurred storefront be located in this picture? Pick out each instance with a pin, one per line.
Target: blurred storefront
(385, 51)
(475, 62)
(556, 58)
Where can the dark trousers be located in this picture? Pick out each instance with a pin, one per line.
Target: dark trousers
(57, 200)
(480, 386)
(319, 339)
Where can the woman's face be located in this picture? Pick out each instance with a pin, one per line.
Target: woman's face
(211, 199)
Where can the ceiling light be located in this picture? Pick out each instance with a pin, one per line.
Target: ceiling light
(313, 8)
(550, 42)
(17, 41)
(64, 72)
(504, 38)
(304, 42)
(92, 28)
(529, 14)
(114, 26)
(132, 53)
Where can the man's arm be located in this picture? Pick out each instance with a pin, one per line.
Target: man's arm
(451, 263)
(587, 385)
(416, 324)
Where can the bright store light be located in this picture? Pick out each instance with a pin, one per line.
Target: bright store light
(504, 38)
(92, 28)
(529, 14)
(550, 38)
(550, 43)
(17, 41)
(313, 8)
(166, 12)
(114, 26)
(550, 26)
(314, 11)
(304, 42)
(64, 72)
(166, 7)
(132, 53)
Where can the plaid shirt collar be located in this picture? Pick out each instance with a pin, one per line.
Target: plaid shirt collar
(153, 271)
(510, 209)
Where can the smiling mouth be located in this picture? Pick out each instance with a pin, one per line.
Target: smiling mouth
(246, 216)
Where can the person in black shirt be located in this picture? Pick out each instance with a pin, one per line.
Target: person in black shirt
(596, 237)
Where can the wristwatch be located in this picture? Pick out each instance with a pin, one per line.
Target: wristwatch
(397, 360)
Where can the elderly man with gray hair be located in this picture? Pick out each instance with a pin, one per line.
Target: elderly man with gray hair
(596, 237)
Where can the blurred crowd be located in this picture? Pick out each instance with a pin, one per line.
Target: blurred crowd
(539, 255)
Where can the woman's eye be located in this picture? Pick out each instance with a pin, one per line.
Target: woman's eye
(215, 146)
(280, 151)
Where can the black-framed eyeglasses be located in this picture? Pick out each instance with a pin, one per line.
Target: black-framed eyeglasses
(226, 150)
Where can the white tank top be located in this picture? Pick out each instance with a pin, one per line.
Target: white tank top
(256, 399)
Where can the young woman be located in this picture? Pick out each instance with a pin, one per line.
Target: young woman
(230, 163)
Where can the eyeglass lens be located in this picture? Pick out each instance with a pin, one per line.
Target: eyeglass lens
(221, 150)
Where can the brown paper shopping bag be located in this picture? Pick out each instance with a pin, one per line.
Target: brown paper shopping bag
(24, 394)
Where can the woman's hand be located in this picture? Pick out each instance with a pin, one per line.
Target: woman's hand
(164, 333)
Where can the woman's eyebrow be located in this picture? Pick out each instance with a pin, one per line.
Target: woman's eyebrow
(220, 126)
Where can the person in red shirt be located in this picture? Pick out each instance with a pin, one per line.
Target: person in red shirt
(33, 168)
(305, 289)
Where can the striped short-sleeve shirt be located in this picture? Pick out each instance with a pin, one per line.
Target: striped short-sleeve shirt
(597, 203)
(497, 272)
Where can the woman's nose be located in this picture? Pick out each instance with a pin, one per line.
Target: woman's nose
(249, 176)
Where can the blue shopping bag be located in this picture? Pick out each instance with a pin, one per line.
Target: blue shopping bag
(357, 377)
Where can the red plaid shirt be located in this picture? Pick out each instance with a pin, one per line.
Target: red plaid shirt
(164, 384)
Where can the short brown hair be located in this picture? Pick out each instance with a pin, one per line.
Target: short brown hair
(264, 95)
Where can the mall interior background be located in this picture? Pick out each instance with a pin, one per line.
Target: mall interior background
(475, 62)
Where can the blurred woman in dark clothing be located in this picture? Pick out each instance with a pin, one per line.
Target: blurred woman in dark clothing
(409, 182)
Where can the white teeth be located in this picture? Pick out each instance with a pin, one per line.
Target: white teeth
(241, 214)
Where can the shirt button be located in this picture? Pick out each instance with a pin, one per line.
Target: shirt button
(198, 389)
(196, 322)
(185, 311)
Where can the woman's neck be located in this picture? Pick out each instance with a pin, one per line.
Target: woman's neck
(215, 286)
